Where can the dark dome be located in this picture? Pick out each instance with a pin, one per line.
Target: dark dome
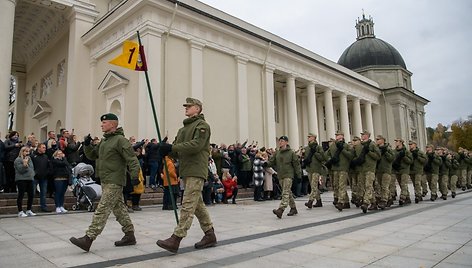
(370, 51)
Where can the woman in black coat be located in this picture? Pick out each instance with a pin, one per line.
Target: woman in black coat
(61, 172)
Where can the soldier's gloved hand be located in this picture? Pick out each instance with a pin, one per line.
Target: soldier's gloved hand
(339, 145)
(402, 153)
(135, 181)
(164, 149)
(87, 140)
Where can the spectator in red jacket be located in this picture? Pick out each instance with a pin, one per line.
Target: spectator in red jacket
(231, 187)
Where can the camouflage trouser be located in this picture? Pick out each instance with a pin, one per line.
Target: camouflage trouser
(111, 201)
(368, 178)
(443, 179)
(393, 186)
(382, 187)
(340, 181)
(463, 177)
(416, 180)
(192, 204)
(469, 177)
(453, 183)
(403, 182)
(287, 196)
(315, 193)
(424, 184)
(433, 183)
(360, 186)
(353, 182)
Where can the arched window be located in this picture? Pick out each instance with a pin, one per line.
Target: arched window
(362, 30)
(115, 108)
(12, 90)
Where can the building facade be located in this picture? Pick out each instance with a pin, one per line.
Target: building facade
(254, 85)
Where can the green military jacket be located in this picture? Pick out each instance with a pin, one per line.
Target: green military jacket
(371, 157)
(401, 164)
(445, 165)
(246, 164)
(387, 155)
(112, 155)
(286, 163)
(433, 163)
(344, 157)
(455, 167)
(419, 160)
(463, 160)
(356, 152)
(191, 147)
(315, 163)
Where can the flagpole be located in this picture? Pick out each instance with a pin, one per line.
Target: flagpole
(166, 170)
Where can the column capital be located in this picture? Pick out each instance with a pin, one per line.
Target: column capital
(196, 44)
(84, 12)
(241, 59)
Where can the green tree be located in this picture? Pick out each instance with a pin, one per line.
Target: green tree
(462, 134)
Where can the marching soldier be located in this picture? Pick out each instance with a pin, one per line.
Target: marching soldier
(453, 172)
(367, 161)
(384, 172)
(288, 167)
(463, 163)
(416, 169)
(357, 189)
(314, 158)
(339, 157)
(443, 172)
(432, 171)
(401, 169)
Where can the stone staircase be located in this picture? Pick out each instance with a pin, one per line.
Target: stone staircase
(148, 198)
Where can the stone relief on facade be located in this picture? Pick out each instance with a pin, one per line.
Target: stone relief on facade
(413, 126)
(33, 93)
(46, 84)
(61, 72)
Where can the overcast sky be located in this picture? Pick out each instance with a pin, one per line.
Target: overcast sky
(434, 38)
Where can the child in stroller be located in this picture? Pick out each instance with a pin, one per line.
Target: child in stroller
(85, 189)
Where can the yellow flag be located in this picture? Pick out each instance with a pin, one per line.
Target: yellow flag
(129, 57)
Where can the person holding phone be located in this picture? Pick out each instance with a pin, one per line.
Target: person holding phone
(24, 175)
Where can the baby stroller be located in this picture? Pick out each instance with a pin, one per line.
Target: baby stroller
(85, 189)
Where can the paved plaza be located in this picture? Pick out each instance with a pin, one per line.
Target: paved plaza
(429, 234)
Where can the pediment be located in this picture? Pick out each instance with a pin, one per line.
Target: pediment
(41, 109)
(111, 81)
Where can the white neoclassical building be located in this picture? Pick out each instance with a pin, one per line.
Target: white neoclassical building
(254, 85)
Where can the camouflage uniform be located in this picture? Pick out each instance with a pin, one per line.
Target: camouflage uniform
(401, 169)
(384, 174)
(314, 158)
(444, 175)
(357, 187)
(453, 175)
(191, 148)
(113, 154)
(339, 156)
(287, 165)
(367, 163)
(469, 172)
(463, 164)
(432, 173)
(416, 172)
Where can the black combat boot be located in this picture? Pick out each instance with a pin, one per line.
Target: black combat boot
(444, 197)
(346, 205)
(127, 240)
(318, 203)
(170, 244)
(208, 240)
(433, 197)
(364, 207)
(453, 194)
(292, 212)
(389, 203)
(278, 212)
(335, 201)
(407, 201)
(382, 205)
(401, 202)
(309, 204)
(82, 242)
(373, 206)
(339, 206)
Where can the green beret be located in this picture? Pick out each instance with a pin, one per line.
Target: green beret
(109, 116)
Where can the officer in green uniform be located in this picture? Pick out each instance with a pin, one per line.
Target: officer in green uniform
(384, 172)
(112, 155)
(401, 169)
(339, 156)
(367, 163)
(463, 164)
(431, 170)
(314, 158)
(191, 148)
(416, 169)
(286, 163)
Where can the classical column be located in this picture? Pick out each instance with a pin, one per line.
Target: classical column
(269, 108)
(79, 88)
(7, 21)
(329, 113)
(151, 37)
(243, 113)
(321, 120)
(312, 112)
(20, 103)
(356, 117)
(292, 113)
(196, 69)
(369, 122)
(92, 100)
(376, 114)
(344, 116)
